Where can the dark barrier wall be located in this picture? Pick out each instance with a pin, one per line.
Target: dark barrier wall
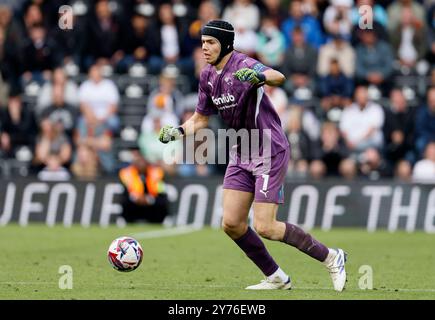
(326, 204)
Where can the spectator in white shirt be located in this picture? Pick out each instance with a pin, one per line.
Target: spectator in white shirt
(361, 123)
(99, 100)
(245, 39)
(242, 10)
(424, 169)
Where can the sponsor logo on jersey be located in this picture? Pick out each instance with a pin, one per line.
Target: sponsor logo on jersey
(224, 98)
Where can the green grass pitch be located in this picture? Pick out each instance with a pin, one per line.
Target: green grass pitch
(206, 264)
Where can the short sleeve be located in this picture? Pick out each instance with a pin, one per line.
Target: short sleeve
(254, 65)
(378, 116)
(205, 105)
(83, 91)
(112, 92)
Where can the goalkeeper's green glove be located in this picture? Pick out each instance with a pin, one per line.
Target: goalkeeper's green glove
(254, 77)
(170, 133)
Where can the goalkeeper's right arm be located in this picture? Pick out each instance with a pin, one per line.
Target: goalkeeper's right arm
(193, 124)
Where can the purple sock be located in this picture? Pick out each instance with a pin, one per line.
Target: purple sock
(254, 248)
(298, 238)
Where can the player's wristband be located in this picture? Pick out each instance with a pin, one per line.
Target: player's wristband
(262, 78)
(181, 130)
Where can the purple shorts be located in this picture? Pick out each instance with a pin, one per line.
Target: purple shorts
(264, 178)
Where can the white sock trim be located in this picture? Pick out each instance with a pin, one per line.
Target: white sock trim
(279, 273)
(331, 255)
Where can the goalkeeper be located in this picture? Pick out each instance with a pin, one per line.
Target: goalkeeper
(232, 85)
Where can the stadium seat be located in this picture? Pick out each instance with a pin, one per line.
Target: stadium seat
(79, 78)
(146, 9)
(121, 149)
(134, 108)
(29, 100)
(137, 70)
(134, 91)
(146, 83)
(128, 133)
(131, 120)
(80, 7)
(32, 89)
(18, 166)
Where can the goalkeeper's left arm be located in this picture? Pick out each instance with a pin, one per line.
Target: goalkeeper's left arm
(270, 77)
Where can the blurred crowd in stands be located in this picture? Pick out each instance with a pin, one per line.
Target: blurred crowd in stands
(358, 102)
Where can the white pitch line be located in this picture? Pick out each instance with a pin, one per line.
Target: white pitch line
(166, 232)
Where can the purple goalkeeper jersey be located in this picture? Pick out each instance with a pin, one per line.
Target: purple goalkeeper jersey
(240, 104)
